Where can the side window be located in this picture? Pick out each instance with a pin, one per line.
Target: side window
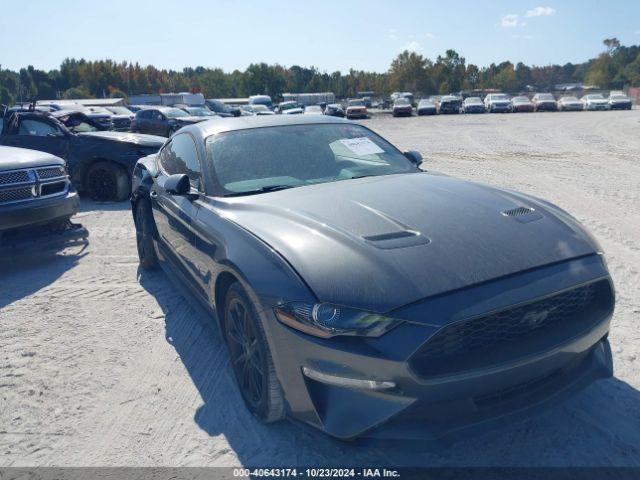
(180, 156)
(36, 128)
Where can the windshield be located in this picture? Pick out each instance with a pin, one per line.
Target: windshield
(595, 97)
(218, 106)
(260, 108)
(260, 101)
(100, 110)
(259, 159)
(499, 96)
(569, 99)
(287, 106)
(473, 100)
(120, 110)
(77, 123)
(199, 111)
(426, 102)
(174, 112)
(545, 96)
(520, 99)
(402, 102)
(618, 97)
(356, 103)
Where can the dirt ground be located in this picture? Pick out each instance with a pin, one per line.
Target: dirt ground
(104, 365)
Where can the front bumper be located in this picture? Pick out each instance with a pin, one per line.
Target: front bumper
(439, 407)
(356, 114)
(547, 107)
(597, 106)
(36, 212)
(620, 105)
(403, 112)
(500, 108)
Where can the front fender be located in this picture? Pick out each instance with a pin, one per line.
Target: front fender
(225, 247)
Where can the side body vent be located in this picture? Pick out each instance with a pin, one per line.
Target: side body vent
(522, 214)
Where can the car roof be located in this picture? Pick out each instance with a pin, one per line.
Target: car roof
(220, 125)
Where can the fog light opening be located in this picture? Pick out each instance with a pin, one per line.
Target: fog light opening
(347, 382)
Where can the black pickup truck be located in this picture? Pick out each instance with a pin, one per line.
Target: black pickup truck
(100, 163)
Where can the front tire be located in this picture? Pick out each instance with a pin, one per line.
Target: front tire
(144, 236)
(251, 358)
(107, 182)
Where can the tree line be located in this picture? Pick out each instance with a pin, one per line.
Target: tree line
(616, 67)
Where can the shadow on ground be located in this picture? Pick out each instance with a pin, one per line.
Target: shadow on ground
(24, 272)
(599, 427)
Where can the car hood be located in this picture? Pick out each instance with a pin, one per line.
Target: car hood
(379, 243)
(134, 138)
(13, 158)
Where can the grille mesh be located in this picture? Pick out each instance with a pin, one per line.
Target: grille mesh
(517, 212)
(477, 341)
(50, 172)
(17, 176)
(15, 194)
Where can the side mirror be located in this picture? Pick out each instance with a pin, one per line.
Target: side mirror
(178, 184)
(414, 156)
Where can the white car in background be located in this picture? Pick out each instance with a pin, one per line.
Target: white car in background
(313, 110)
(569, 103)
(497, 102)
(595, 101)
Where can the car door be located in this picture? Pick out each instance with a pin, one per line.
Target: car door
(37, 133)
(146, 125)
(158, 123)
(174, 214)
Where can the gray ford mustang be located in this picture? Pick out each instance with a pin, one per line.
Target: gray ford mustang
(364, 296)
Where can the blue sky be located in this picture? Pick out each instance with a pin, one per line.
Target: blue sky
(331, 35)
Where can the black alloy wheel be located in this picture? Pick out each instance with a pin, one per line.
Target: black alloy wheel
(250, 357)
(144, 236)
(107, 182)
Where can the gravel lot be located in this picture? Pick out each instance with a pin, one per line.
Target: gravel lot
(104, 365)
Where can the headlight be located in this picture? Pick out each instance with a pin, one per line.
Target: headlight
(327, 320)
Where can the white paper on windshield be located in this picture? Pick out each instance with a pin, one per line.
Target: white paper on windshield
(361, 146)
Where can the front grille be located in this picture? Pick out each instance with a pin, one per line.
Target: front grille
(50, 172)
(514, 332)
(15, 194)
(16, 176)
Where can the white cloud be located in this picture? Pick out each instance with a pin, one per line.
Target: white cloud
(393, 34)
(429, 35)
(511, 20)
(412, 46)
(522, 37)
(541, 12)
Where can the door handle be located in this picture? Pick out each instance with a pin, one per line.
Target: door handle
(153, 194)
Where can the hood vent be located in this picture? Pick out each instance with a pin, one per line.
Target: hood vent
(399, 239)
(522, 214)
(517, 212)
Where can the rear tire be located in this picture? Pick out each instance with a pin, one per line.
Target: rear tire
(107, 182)
(144, 236)
(250, 357)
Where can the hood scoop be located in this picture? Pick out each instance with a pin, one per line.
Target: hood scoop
(522, 214)
(399, 239)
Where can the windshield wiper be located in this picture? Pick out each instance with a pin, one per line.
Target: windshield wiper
(265, 189)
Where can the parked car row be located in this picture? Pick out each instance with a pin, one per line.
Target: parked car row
(503, 103)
